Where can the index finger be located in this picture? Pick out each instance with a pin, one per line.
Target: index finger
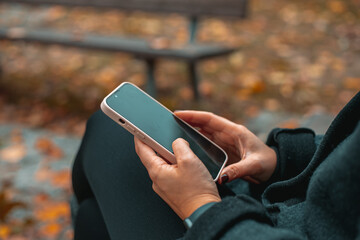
(147, 156)
(205, 120)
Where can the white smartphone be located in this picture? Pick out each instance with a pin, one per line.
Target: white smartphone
(158, 127)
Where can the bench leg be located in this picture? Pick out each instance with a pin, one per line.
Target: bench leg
(194, 79)
(150, 84)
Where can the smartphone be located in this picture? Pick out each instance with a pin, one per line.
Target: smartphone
(158, 127)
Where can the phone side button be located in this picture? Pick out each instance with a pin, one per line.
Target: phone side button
(140, 135)
(130, 128)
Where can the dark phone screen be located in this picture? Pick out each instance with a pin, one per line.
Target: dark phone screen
(163, 126)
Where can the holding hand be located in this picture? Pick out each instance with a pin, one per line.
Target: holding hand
(249, 157)
(184, 186)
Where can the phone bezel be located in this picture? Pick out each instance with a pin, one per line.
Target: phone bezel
(130, 127)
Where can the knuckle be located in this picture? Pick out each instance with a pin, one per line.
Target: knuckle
(241, 128)
(211, 114)
(187, 158)
(257, 166)
(234, 171)
(154, 173)
(155, 187)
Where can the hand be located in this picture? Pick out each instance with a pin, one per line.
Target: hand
(184, 186)
(249, 157)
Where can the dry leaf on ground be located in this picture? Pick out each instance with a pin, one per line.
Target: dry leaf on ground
(61, 179)
(48, 147)
(13, 154)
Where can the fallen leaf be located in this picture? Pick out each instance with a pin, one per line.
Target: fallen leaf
(206, 88)
(50, 230)
(4, 231)
(13, 154)
(48, 147)
(244, 94)
(41, 198)
(6, 205)
(52, 211)
(258, 87)
(272, 104)
(61, 178)
(56, 13)
(291, 123)
(337, 6)
(186, 93)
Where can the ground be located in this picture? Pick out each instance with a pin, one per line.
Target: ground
(297, 65)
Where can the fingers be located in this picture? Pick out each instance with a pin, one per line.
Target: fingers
(182, 151)
(205, 120)
(147, 156)
(242, 169)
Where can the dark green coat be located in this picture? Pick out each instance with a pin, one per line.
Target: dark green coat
(313, 194)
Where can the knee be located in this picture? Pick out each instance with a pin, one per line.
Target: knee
(95, 119)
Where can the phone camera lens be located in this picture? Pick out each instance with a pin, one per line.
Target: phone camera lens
(121, 120)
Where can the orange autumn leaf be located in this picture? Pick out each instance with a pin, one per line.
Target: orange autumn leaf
(48, 147)
(244, 94)
(258, 87)
(52, 211)
(4, 231)
(50, 230)
(206, 88)
(292, 123)
(40, 199)
(337, 6)
(61, 178)
(13, 153)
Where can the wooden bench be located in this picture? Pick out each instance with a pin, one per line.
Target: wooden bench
(191, 52)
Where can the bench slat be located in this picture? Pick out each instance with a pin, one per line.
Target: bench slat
(138, 47)
(234, 8)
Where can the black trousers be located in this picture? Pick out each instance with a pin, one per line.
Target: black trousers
(114, 191)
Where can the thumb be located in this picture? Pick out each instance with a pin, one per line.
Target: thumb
(182, 152)
(242, 169)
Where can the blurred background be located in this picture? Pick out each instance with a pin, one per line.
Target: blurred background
(298, 64)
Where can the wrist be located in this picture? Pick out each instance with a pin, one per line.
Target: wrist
(190, 207)
(189, 221)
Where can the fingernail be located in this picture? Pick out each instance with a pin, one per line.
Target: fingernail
(224, 178)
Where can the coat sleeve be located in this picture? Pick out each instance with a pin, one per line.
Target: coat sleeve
(294, 148)
(237, 217)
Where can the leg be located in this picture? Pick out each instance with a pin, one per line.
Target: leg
(108, 168)
(90, 224)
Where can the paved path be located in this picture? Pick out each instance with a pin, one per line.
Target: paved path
(35, 183)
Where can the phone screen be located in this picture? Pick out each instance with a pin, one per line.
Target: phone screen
(163, 126)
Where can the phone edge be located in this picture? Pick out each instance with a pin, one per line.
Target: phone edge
(134, 130)
(151, 142)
